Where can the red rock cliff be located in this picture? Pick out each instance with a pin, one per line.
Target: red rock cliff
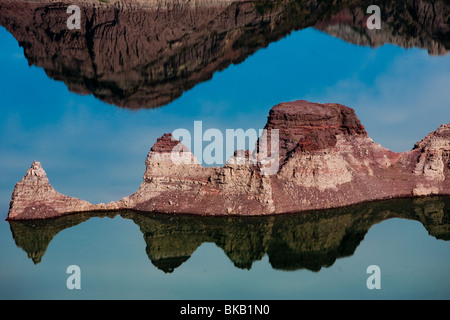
(146, 54)
(326, 160)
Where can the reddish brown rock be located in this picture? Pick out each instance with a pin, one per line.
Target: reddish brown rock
(408, 23)
(35, 198)
(305, 126)
(144, 54)
(327, 160)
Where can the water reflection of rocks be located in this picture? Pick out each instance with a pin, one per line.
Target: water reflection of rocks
(145, 57)
(310, 240)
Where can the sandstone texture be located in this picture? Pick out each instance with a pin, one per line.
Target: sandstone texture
(145, 54)
(408, 24)
(325, 160)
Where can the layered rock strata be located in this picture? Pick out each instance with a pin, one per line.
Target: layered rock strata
(145, 54)
(408, 24)
(325, 160)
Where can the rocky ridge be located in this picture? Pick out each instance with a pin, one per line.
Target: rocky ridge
(145, 54)
(326, 160)
(408, 24)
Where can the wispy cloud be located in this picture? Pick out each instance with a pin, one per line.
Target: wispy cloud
(404, 101)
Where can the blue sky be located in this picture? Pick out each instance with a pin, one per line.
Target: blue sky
(96, 151)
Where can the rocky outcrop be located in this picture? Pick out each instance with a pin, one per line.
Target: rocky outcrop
(325, 160)
(433, 162)
(144, 54)
(133, 54)
(296, 241)
(408, 24)
(35, 198)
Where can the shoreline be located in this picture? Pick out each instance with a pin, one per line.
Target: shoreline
(325, 160)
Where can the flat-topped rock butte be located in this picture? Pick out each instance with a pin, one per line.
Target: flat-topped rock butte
(326, 160)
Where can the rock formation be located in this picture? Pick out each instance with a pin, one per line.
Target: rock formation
(309, 240)
(35, 197)
(408, 24)
(143, 54)
(325, 160)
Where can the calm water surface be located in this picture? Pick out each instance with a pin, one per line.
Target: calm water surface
(96, 151)
(322, 255)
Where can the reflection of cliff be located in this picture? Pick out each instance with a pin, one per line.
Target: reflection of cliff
(310, 240)
(408, 24)
(34, 236)
(138, 58)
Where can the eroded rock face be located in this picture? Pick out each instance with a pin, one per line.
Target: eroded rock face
(35, 198)
(408, 24)
(305, 126)
(139, 54)
(433, 162)
(326, 160)
(144, 54)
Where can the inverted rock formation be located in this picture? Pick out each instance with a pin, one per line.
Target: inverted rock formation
(325, 160)
(146, 53)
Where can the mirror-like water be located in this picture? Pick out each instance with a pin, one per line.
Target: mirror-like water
(297, 256)
(396, 80)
